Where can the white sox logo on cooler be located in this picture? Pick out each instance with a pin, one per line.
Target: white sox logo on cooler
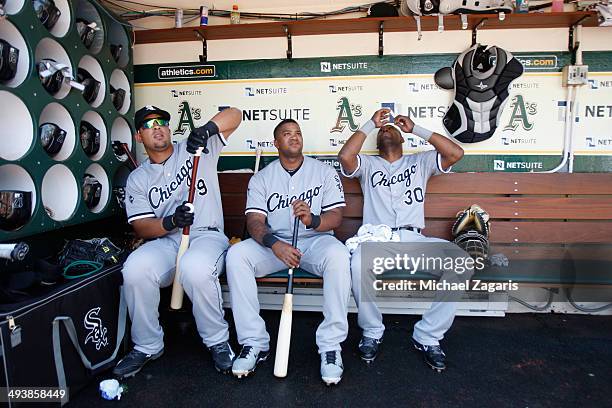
(276, 201)
(97, 334)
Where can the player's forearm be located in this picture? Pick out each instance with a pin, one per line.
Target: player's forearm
(330, 220)
(149, 228)
(257, 227)
(450, 152)
(348, 154)
(228, 120)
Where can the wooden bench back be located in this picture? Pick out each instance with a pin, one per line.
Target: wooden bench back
(524, 207)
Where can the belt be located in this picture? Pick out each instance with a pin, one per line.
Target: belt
(407, 227)
(207, 229)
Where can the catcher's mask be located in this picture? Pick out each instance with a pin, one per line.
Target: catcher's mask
(90, 138)
(92, 86)
(51, 137)
(9, 56)
(47, 12)
(117, 96)
(87, 31)
(474, 243)
(92, 190)
(15, 209)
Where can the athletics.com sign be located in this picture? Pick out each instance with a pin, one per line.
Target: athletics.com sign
(186, 72)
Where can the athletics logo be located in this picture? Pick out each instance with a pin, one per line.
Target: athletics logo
(97, 334)
(186, 118)
(346, 115)
(521, 111)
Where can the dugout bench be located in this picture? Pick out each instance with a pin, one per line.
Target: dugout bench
(555, 229)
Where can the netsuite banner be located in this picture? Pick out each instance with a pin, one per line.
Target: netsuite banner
(332, 97)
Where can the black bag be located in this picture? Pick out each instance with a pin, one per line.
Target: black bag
(65, 338)
(97, 249)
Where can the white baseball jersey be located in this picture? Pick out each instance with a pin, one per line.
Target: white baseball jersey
(272, 190)
(154, 190)
(394, 193)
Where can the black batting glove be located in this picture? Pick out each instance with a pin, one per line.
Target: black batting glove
(199, 137)
(181, 218)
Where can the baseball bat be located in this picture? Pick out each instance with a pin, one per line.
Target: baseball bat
(255, 170)
(284, 329)
(176, 301)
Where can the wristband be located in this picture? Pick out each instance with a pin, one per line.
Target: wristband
(316, 221)
(269, 239)
(168, 223)
(368, 127)
(421, 132)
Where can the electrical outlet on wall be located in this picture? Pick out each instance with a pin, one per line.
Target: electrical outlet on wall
(575, 75)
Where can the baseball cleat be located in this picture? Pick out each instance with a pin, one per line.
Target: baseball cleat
(331, 367)
(433, 355)
(133, 362)
(368, 348)
(247, 361)
(223, 357)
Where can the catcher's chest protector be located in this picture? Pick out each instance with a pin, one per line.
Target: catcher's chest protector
(481, 77)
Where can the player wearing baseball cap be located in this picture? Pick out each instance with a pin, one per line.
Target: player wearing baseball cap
(292, 186)
(154, 202)
(393, 186)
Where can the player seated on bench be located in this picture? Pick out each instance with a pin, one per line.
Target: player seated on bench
(393, 186)
(293, 185)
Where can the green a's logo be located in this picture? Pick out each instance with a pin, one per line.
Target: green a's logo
(346, 115)
(521, 111)
(186, 117)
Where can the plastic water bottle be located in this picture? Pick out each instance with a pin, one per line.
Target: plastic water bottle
(235, 15)
(522, 6)
(557, 6)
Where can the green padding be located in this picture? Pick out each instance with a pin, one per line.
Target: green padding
(297, 273)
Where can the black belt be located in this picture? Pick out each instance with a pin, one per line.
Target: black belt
(407, 227)
(207, 229)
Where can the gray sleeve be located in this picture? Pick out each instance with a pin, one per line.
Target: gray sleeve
(432, 163)
(136, 204)
(363, 164)
(333, 192)
(215, 144)
(256, 196)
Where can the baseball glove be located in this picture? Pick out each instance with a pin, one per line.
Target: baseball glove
(471, 231)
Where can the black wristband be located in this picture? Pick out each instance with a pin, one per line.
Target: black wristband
(269, 239)
(316, 221)
(168, 223)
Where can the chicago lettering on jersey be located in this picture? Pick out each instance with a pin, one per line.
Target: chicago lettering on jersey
(159, 194)
(277, 201)
(379, 178)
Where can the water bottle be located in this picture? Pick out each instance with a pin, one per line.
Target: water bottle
(522, 6)
(235, 15)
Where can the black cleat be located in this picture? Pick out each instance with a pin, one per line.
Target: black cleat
(223, 356)
(433, 355)
(133, 362)
(368, 348)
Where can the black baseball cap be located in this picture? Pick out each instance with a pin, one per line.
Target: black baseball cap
(142, 113)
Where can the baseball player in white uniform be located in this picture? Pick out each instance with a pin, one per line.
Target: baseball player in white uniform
(393, 186)
(155, 196)
(292, 186)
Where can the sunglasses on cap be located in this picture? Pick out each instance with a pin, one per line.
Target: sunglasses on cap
(52, 83)
(117, 97)
(87, 31)
(90, 138)
(9, 56)
(151, 123)
(51, 137)
(92, 86)
(47, 12)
